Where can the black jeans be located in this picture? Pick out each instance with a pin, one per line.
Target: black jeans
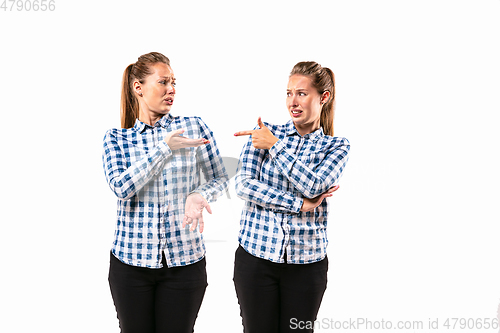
(157, 300)
(277, 297)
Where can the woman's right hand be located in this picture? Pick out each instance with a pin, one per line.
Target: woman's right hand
(175, 141)
(311, 204)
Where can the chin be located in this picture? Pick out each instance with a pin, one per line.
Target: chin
(162, 112)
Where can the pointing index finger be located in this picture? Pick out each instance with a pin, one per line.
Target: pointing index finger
(243, 133)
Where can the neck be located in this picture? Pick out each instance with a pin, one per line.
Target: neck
(304, 129)
(149, 117)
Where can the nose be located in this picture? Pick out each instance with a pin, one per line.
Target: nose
(171, 90)
(292, 101)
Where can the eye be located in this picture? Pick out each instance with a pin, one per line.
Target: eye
(174, 84)
(163, 82)
(302, 93)
(288, 94)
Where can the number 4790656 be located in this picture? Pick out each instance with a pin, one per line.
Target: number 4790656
(28, 5)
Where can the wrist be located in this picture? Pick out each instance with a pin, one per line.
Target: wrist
(198, 193)
(302, 208)
(274, 141)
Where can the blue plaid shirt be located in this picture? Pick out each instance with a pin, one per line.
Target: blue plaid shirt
(152, 183)
(273, 183)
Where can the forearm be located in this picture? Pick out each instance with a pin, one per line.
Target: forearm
(125, 181)
(210, 162)
(310, 182)
(250, 187)
(212, 189)
(266, 196)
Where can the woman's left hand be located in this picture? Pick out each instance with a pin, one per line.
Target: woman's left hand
(308, 205)
(193, 211)
(262, 138)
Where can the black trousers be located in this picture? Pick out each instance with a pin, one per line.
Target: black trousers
(157, 300)
(275, 297)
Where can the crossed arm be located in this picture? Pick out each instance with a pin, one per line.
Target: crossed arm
(314, 191)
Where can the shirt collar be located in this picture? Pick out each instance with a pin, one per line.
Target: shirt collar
(291, 130)
(164, 122)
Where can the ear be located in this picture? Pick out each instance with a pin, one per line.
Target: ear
(137, 87)
(325, 97)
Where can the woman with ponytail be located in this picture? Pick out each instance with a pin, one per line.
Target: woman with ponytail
(285, 174)
(157, 272)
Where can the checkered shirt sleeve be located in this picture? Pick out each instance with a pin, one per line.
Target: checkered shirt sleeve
(126, 181)
(211, 164)
(322, 173)
(251, 187)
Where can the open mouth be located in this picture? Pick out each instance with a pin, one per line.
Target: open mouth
(169, 100)
(296, 113)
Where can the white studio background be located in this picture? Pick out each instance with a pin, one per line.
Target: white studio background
(414, 227)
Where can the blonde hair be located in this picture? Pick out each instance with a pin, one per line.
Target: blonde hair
(323, 80)
(136, 71)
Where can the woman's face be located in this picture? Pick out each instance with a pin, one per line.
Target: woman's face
(303, 103)
(158, 89)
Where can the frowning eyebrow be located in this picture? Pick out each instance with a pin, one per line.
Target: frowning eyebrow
(168, 78)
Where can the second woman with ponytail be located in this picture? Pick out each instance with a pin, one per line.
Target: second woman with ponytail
(285, 174)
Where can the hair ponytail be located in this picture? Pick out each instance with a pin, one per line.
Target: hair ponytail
(129, 103)
(137, 71)
(323, 80)
(328, 110)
